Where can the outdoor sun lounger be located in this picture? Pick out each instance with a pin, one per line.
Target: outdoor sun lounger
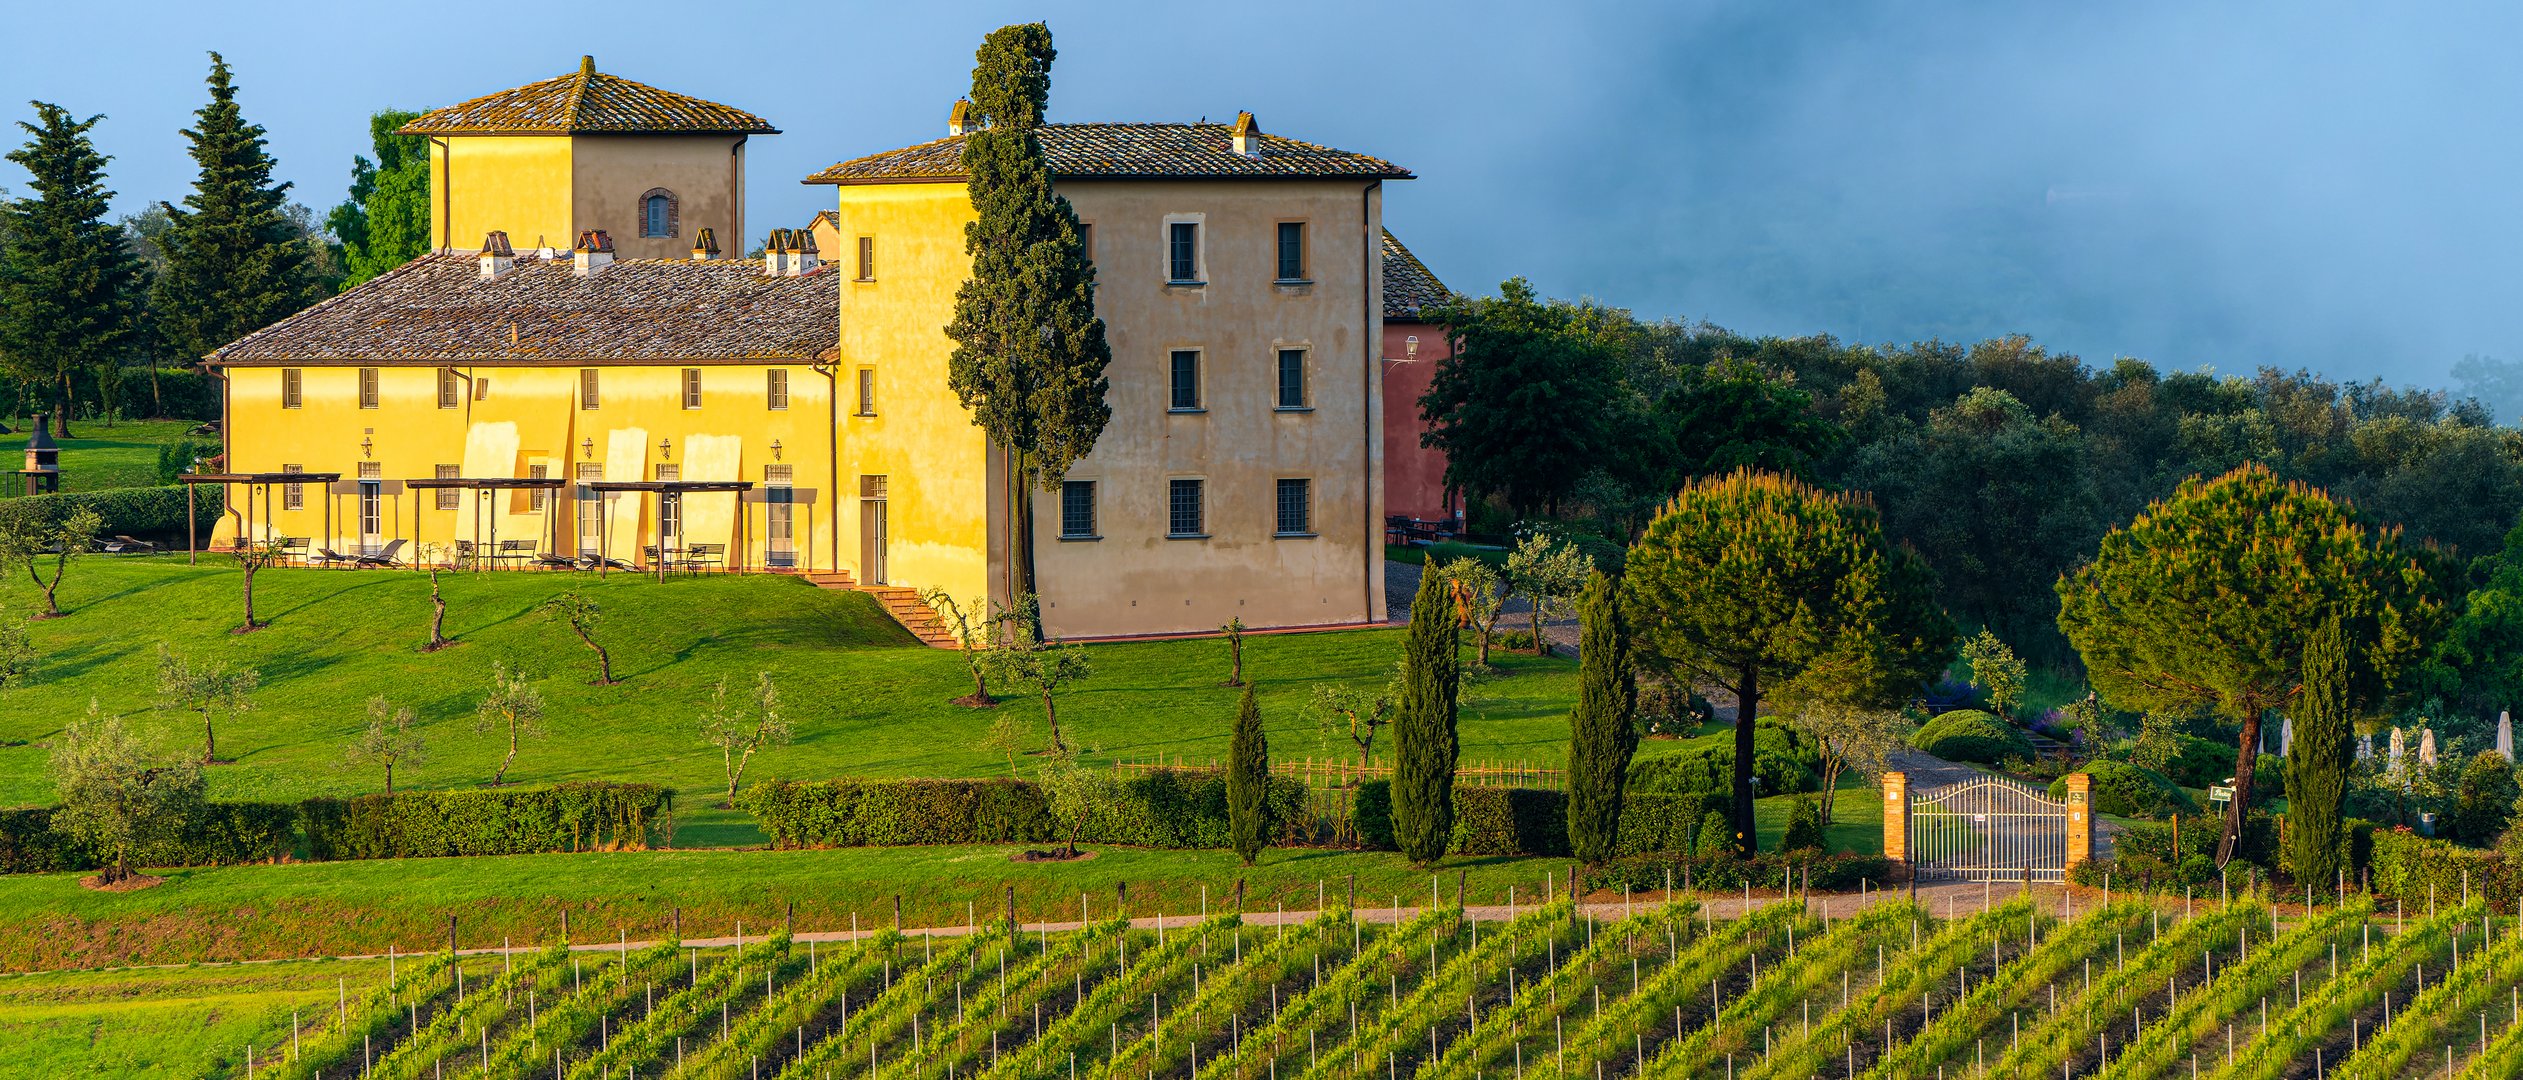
(386, 557)
(123, 544)
(328, 557)
(549, 561)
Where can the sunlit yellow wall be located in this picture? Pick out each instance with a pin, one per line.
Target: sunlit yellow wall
(548, 189)
(517, 183)
(1134, 579)
(530, 415)
(920, 439)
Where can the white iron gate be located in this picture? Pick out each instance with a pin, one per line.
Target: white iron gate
(1987, 829)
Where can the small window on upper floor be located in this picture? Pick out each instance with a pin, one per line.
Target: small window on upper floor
(658, 215)
(692, 388)
(587, 386)
(449, 394)
(1291, 251)
(292, 388)
(367, 388)
(867, 258)
(1292, 379)
(1086, 240)
(1182, 252)
(1184, 381)
(867, 392)
(776, 394)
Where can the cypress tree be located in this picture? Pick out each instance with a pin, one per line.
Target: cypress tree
(1248, 780)
(1029, 351)
(69, 289)
(1424, 740)
(1602, 731)
(234, 262)
(2317, 763)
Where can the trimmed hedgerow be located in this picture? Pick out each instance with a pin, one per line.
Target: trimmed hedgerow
(218, 834)
(2407, 865)
(151, 513)
(1533, 821)
(1162, 808)
(2129, 790)
(420, 824)
(1787, 761)
(1971, 735)
(1769, 870)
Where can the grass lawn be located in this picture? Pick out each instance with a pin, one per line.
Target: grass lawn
(865, 698)
(313, 909)
(99, 455)
(182, 1022)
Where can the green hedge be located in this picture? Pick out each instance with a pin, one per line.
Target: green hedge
(425, 824)
(1162, 808)
(2406, 865)
(1785, 759)
(1533, 821)
(1769, 870)
(2129, 790)
(150, 513)
(221, 834)
(1971, 735)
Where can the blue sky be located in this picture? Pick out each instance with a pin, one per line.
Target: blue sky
(2322, 185)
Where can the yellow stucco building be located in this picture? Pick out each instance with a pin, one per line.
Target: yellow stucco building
(794, 410)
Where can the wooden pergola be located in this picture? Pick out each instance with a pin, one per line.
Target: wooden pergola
(484, 489)
(245, 518)
(607, 489)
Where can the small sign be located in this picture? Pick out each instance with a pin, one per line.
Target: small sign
(2221, 794)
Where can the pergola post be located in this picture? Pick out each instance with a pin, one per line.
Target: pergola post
(192, 529)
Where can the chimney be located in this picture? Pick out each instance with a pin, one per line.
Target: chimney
(803, 258)
(704, 246)
(1247, 136)
(959, 118)
(775, 254)
(594, 251)
(42, 454)
(497, 257)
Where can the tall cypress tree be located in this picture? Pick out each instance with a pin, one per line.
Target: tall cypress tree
(1029, 351)
(234, 263)
(2317, 763)
(1424, 740)
(69, 289)
(1602, 732)
(1248, 780)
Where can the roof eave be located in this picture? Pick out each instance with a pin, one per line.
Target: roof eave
(764, 129)
(819, 179)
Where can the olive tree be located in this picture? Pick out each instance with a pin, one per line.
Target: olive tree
(28, 539)
(119, 793)
(1548, 573)
(206, 689)
(388, 741)
(741, 730)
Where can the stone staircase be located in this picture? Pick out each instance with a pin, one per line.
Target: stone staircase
(899, 601)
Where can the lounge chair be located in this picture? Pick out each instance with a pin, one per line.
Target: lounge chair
(550, 561)
(325, 556)
(126, 545)
(389, 556)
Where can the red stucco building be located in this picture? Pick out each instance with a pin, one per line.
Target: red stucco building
(1414, 476)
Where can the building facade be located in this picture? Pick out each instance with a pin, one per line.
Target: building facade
(1240, 275)
(1414, 474)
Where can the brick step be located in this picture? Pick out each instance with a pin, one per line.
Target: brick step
(906, 607)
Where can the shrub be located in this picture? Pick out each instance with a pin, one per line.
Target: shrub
(2131, 791)
(1716, 836)
(2407, 866)
(1804, 827)
(2146, 858)
(2485, 799)
(150, 513)
(1769, 870)
(215, 834)
(1971, 735)
(1786, 760)
(422, 824)
(2199, 763)
(1163, 808)
(1531, 821)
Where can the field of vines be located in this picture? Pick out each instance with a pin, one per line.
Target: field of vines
(2129, 990)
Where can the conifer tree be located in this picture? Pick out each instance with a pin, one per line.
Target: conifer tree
(385, 223)
(234, 262)
(69, 287)
(2317, 762)
(1603, 732)
(1248, 780)
(1029, 351)
(1424, 739)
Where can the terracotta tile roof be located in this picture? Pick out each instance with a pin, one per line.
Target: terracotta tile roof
(1128, 152)
(1408, 284)
(436, 310)
(588, 102)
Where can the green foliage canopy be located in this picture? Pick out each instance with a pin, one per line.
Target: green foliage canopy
(385, 222)
(235, 262)
(69, 287)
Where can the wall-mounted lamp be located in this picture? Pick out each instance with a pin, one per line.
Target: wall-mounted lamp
(775, 449)
(367, 446)
(587, 447)
(665, 449)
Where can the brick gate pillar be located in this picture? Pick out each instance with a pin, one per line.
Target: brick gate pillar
(1896, 816)
(2080, 818)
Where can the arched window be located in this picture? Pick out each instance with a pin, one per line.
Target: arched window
(657, 213)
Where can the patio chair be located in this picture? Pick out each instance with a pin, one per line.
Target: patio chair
(513, 551)
(705, 556)
(388, 556)
(464, 555)
(293, 549)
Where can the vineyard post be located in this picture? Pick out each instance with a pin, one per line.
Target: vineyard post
(1011, 907)
(897, 913)
(788, 919)
(674, 915)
